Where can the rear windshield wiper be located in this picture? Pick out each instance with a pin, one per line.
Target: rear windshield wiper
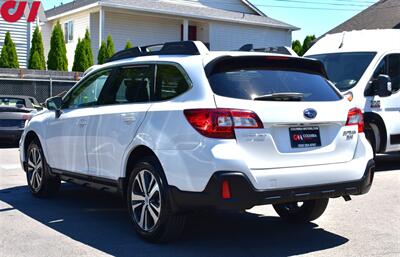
(280, 97)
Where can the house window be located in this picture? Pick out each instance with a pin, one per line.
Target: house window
(68, 31)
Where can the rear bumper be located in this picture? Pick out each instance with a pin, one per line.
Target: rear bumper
(245, 196)
(10, 135)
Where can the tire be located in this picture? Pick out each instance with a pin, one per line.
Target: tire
(40, 182)
(295, 213)
(149, 208)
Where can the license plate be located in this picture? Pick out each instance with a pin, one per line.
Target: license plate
(303, 137)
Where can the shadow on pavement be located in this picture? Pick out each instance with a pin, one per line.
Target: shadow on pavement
(100, 220)
(387, 162)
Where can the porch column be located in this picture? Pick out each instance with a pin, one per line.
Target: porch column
(185, 30)
(101, 25)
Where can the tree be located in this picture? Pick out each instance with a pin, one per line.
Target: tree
(80, 58)
(36, 55)
(88, 49)
(307, 43)
(102, 56)
(110, 47)
(83, 58)
(35, 62)
(106, 50)
(9, 57)
(297, 47)
(57, 59)
(128, 45)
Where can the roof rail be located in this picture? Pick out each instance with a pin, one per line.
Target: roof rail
(276, 49)
(169, 48)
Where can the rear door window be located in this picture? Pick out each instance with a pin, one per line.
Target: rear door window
(251, 80)
(131, 84)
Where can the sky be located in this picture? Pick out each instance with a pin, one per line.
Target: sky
(314, 17)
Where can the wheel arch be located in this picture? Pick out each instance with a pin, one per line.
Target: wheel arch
(371, 117)
(136, 154)
(29, 137)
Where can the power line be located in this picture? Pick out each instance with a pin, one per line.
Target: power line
(310, 8)
(356, 1)
(322, 3)
(290, 7)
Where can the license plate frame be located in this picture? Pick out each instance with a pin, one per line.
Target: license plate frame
(305, 137)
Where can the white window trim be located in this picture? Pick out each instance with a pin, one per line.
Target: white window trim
(67, 35)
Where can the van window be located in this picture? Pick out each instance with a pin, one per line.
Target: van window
(345, 69)
(390, 65)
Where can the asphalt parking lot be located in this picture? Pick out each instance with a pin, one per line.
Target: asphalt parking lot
(83, 222)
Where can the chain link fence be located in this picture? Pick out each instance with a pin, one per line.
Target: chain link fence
(39, 84)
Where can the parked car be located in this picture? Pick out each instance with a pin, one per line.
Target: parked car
(365, 66)
(175, 128)
(15, 111)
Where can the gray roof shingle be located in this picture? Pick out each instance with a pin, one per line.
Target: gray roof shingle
(177, 9)
(385, 14)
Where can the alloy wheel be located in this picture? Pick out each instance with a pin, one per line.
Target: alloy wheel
(146, 200)
(35, 168)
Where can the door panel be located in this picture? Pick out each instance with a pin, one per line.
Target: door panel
(389, 107)
(66, 140)
(66, 134)
(113, 126)
(110, 131)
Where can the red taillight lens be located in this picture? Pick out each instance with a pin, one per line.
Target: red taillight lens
(27, 116)
(277, 58)
(220, 123)
(226, 190)
(356, 117)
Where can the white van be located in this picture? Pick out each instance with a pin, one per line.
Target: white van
(365, 66)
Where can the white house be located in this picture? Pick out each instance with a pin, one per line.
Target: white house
(224, 25)
(21, 33)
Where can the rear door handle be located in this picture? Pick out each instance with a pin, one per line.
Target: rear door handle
(82, 122)
(128, 118)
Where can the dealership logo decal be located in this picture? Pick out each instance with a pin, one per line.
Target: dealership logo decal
(12, 11)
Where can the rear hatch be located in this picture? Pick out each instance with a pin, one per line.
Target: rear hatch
(13, 117)
(303, 116)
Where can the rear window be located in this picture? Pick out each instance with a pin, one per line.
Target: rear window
(12, 102)
(245, 80)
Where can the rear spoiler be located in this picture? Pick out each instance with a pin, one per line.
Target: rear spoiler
(273, 62)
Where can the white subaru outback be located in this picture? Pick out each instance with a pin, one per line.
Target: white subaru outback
(175, 128)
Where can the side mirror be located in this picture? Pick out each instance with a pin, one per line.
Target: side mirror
(54, 104)
(384, 86)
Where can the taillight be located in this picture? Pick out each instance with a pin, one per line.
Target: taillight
(355, 117)
(225, 190)
(220, 123)
(27, 116)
